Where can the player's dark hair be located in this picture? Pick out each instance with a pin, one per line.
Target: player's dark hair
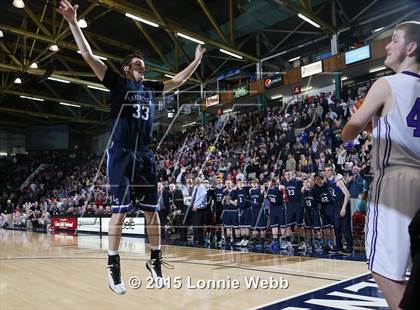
(412, 34)
(127, 59)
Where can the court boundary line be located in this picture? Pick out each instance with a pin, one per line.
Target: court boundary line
(308, 292)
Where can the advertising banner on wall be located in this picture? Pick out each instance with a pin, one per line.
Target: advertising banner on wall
(311, 69)
(64, 223)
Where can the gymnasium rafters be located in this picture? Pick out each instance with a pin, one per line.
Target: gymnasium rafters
(252, 29)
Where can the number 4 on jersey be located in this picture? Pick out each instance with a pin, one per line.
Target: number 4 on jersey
(413, 118)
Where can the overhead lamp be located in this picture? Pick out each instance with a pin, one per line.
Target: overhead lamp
(100, 57)
(276, 96)
(98, 88)
(82, 23)
(343, 78)
(58, 80)
(308, 20)
(145, 21)
(18, 4)
(169, 76)
(306, 88)
(378, 29)
(377, 69)
(1, 34)
(293, 59)
(18, 80)
(230, 53)
(31, 98)
(70, 104)
(54, 48)
(189, 124)
(180, 34)
(33, 65)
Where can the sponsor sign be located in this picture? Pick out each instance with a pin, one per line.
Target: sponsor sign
(212, 100)
(64, 223)
(134, 225)
(357, 54)
(275, 80)
(311, 69)
(241, 91)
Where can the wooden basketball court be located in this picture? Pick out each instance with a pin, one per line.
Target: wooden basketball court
(42, 271)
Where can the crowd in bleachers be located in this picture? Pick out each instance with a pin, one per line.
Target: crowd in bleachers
(301, 136)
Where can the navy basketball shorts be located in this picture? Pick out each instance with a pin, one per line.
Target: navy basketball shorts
(132, 175)
(313, 218)
(278, 217)
(328, 216)
(245, 217)
(258, 218)
(230, 218)
(295, 214)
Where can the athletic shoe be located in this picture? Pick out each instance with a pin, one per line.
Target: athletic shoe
(245, 243)
(287, 246)
(337, 251)
(114, 278)
(222, 243)
(302, 247)
(155, 268)
(275, 244)
(240, 243)
(348, 251)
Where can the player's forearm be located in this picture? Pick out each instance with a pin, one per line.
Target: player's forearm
(80, 39)
(182, 76)
(350, 132)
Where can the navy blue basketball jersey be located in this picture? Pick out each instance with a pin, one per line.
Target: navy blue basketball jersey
(309, 198)
(336, 192)
(323, 195)
(132, 109)
(219, 194)
(242, 195)
(293, 189)
(232, 194)
(256, 197)
(275, 196)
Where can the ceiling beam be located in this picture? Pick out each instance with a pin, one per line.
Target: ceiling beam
(9, 53)
(37, 21)
(153, 44)
(212, 19)
(54, 116)
(231, 24)
(123, 7)
(58, 100)
(74, 47)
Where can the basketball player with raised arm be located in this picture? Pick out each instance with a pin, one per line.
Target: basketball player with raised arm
(131, 164)
(393, 106)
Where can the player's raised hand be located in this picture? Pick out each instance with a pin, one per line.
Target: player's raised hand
(199, 51)
(68, 11)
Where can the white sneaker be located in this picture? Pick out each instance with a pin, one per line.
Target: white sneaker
(302, 247)
(245, 243)
(155, 268)
(114, 279)
(240, 243)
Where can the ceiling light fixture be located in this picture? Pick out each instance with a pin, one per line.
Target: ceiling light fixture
(98, 88)
(377, 69)
(18, 81)
(293, 59)
(54, 48)
(230, 53)
(180, 34)
(31, 98)
(145, 21)
(70, 104)
(18, 4)
(82, 23)
(169, 76)
(33, 65)
(58, 80)
(308, 20)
